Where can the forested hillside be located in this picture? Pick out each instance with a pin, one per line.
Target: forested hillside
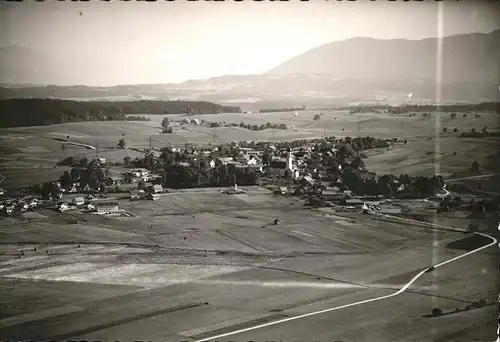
(38, 112)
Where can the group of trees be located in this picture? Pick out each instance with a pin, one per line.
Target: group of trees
(391, 185)
(165, 124)
(37, 112)
(184, 171)
(137, 118)
(274, 110)
(480, 107)
(254, 127)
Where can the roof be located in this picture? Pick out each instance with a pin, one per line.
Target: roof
(106, 204)
(278, 164)
(354, 201)
(330, 192)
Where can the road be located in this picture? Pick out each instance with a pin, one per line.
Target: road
(375, 299)
(472, 177)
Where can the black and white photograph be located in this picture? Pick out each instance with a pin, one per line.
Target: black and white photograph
(188, 171)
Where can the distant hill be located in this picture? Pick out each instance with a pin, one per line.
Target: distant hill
(339, 73)
(471, 57)
(22, 65)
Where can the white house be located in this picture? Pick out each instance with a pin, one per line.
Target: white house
(157, 188)
(106, 207)
(212, 163)
(78, 201)
(225, 160)
(63, 207)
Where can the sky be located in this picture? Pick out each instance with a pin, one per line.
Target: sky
(139, 42)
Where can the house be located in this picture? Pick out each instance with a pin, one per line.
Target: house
(106, 207)
(279, 167)
(225, 160)
(78, 201)
(33, 202)
(248, 159)
(114, 181)
(195, 121)
(2, 191)
(62, 207)
(356, 203)
(152, 197)
(212, 163)
(309, 180)
(101, 160)
(136, 194)
(9, 210)
(157, 188)
(330, 194)
(283, 190)
(347, 193)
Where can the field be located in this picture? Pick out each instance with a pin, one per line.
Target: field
(200, 263)
(37, 151)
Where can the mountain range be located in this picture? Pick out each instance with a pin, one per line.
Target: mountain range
(341, 72)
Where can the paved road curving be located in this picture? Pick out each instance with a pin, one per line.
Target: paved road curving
(400, 291)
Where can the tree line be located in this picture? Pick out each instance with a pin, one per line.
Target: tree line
(478, 107)
(39, 112)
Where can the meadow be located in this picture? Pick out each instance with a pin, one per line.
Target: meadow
(37, 151)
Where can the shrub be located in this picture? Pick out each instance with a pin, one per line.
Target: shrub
(436, 312)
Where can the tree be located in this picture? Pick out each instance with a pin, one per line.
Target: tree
(464, 116)
(445, 129)
(317, 117)
(66, 180)
(127, 160)
(455, 130)
(475, 166)
(357, 163)
(122, 143)
(164, 122)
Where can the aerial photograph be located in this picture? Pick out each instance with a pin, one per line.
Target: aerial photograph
(250, 171)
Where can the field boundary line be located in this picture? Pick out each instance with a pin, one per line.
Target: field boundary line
(375, 299)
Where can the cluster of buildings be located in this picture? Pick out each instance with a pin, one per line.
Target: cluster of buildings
(10, 207)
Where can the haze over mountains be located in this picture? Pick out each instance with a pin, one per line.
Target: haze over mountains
(354, 70)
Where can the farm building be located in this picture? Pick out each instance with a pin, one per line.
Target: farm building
(78, 201)
(106, 207)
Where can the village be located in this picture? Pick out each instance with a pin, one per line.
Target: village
(325, 172)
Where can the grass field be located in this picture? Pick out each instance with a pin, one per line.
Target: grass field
(209, 262)
(38, 151)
